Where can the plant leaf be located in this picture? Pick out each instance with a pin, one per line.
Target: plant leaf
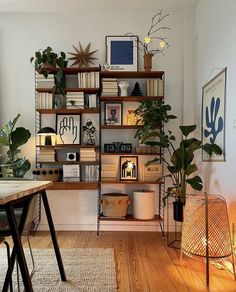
(186, 130)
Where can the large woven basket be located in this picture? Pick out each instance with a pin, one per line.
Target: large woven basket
(115, 204)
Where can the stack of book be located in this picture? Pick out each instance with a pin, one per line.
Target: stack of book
(71, 173)
(155, 87)
(108, 171)
(44, 100)
(42, 82)
(46, 155)
(109, 87)
(88, 154)
(88, 80)
(75, 99)
(91, 172)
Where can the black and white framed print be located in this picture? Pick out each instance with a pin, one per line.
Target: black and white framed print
(122, 53)
(128, 168)
(213, 114)
(68, 128)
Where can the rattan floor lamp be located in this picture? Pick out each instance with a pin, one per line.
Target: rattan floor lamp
(206, 232)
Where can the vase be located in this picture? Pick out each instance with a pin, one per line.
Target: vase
(148, 62)
(59, 101)
(178, 209)
(123, 85)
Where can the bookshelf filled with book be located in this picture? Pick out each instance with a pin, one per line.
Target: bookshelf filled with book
(67, 127)
(122, 156)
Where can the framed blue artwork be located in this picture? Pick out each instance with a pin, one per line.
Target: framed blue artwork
(213, 114)
(122, 53)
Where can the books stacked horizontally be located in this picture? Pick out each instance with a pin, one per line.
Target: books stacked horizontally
(91, 172)
(75, 99)
(155, 87)
(88, 80)
(108, 171)
(46, 155)
(44, 100)
(109, 87)
(88, 154)
(71, 173)
(42, 82)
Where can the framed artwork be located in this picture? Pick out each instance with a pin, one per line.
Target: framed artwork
(113, 113)
(213, 114)
(68, 128)
(129, 168)
(122, 53)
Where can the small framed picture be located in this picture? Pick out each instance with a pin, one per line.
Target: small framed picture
(122, 53)
(129, 168)
(113, 113)
(68, 128)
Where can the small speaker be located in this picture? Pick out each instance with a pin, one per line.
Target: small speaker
(71, 156)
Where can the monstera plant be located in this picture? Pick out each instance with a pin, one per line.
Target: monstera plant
(13, 138)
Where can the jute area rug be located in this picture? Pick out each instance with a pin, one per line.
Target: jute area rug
(87, 269)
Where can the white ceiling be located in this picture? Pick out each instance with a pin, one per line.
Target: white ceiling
(8, 6)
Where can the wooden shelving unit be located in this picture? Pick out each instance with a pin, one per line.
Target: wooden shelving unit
(81, 185)
(137, 182)
(129, 218)
(129, 98)
(69, 111)
(132, 154)
(124, 127)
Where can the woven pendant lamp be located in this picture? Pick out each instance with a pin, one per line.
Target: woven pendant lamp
(206, 232)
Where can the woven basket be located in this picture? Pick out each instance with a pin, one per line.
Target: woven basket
(115, 204)
(51, 174)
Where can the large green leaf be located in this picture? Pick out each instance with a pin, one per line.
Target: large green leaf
(20, 167)
(212, 148)
(191, 169)
(195, 182)
(19, 137)
(186, 130)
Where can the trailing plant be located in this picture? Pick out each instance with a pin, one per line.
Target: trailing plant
(48, 58)
(13, 138)
(181, 166)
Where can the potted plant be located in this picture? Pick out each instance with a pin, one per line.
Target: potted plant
(46, 59)
(181, 166)
(13, 138)
(89, 133)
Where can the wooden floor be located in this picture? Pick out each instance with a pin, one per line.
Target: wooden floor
(144, 262)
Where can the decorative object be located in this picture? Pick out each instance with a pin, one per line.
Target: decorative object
(13, 138)
(47, 132)
(206, 232)
(82, 265)
(113, 113)
(71, 172)
(123, 85)
(59, 101)
(89, 133)
(82, 57)
(136, 91)
(68, 128)
(118, 147)
(153, 43)
(152, 172)
(128, 168)
(43, 173)
(115, 204)
(133, 119)
(143, 205)
(213, 114)
(72, 156)
(122, 53)
(46, 59)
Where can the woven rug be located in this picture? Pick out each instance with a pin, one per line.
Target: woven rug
(87, 269)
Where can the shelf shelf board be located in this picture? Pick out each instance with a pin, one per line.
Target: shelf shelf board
(132, 154)
(75, 89)
(136, 182)
(130, 98)
(69, 111)
(121, 127)
(63, 146)
(70, 162)
(69, 70)
(131, 74)
(81, 185)
(157, 218)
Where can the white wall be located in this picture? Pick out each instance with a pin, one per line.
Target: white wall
(21, 34)
(215, 48)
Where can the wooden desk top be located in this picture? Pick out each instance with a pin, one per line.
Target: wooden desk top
(13, 190)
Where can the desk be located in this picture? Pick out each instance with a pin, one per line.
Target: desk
(12, 193)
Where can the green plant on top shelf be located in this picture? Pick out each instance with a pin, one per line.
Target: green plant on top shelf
(45, 59)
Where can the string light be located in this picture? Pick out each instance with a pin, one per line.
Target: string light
(147, 40)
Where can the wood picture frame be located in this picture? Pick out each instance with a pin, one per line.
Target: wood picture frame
(68, 128)
(113, 113)
(122, 53)
(213, 114)
(128, 168)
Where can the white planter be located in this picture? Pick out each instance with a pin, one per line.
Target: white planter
(143, 205)
(124, 85)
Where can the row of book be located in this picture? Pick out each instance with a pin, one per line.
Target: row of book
(109, 87)
(88, 80)
(44, 100)
(42, 82)
(75, 99)
(155, 87)
(91, 173)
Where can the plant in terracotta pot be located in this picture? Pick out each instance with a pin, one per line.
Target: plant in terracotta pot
(13, 138)
(180, 163)
(44, 60)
